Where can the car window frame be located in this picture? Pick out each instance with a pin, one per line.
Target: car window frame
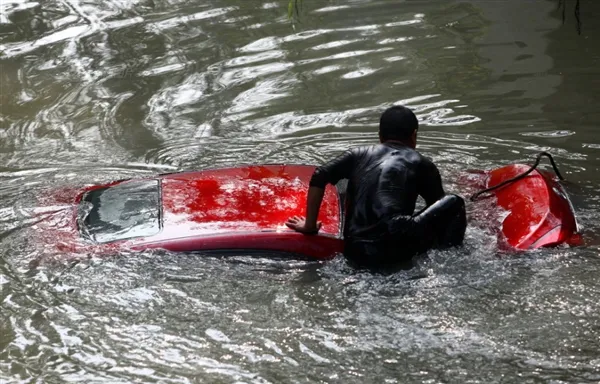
(81, 227)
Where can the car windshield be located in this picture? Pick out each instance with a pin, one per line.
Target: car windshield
(123, 211)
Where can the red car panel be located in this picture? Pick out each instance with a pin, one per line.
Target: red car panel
(539, 211)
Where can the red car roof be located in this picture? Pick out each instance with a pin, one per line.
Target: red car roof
(252, 198)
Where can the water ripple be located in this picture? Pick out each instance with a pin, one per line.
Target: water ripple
(157, 27)
(70, 33)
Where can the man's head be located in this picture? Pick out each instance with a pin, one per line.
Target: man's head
(399, 123)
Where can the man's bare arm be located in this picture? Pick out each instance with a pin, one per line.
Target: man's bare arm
(431, 188)
(313, 205)
(330, 173)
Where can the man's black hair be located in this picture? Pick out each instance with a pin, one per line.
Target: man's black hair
(397, 123)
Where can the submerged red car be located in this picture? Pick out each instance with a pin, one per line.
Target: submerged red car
(245, 208)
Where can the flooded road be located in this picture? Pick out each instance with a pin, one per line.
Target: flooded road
(103, 90)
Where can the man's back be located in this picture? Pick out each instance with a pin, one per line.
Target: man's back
(385, 181)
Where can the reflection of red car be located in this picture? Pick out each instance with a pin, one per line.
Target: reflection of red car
(245, 208)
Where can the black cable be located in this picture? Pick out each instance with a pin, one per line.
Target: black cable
(562, 6)
(522, 175)
(577, 17)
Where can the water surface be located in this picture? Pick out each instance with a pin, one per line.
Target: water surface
(102, 90)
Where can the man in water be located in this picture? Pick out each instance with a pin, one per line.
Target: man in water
(384, 182)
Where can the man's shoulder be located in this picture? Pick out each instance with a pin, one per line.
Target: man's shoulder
(417, 157)
(423, 158)
(362, 149)
(369, 146)
(426, 164)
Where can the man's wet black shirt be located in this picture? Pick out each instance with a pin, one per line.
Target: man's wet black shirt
(384, 181)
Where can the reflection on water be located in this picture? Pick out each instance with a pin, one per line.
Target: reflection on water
(97, 91)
